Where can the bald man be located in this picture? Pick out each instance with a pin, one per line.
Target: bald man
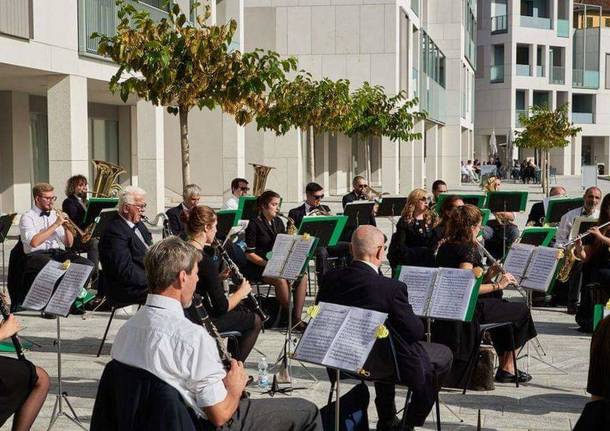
(537, 213)
(422, 366)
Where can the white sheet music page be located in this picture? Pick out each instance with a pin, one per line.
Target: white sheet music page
(452, 293)
(281, 249)
(419, 281)
(321, 333)
(354, 340)
(541, 269)
(517, 259)
(296, 260)
(42, 287)
(68, 289)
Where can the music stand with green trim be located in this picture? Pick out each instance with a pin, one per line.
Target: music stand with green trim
(558, 207)
(476, 199)
(327, 229)
(226, 220)
(95, 207)
(513, 201)
(538, 236)
(598, 314)
(246, 208)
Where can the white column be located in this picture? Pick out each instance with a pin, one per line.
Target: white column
(432, 163)
(339, 178)
(68, 129)
(147, 164)
(419, 165)
(576, 155)
(389, 165)
(233, 150)
(15, 152)
(450, 153)
(605, 159)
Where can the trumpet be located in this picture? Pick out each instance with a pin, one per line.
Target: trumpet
(85, 235)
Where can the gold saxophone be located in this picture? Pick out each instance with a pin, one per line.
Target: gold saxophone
(569, 257)
(291, 227)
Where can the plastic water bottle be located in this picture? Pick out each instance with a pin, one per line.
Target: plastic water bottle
(263, 379)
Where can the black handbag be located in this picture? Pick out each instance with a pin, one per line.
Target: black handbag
(353, 408)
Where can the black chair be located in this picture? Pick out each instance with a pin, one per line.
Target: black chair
(130, 398)
(14, 279)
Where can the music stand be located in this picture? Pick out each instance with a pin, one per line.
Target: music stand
(6, 222)
(538, 236)
(558, 207)
(476, 199)
(391, 206)
(581, 225)
(506, 201)
(95, 206)
(358, 212)
(226, 220)
(102, 221)
(327, 229)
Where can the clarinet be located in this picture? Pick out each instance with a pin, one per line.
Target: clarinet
(238, 278)
(14, 338)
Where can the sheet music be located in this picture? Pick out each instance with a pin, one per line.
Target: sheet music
(281, 249)
(355, 339)
(42, 288)
(68, 289)
(419, 281)
(541, 269)
(517, 259)
(296, 259)
(452, 292)
(321, 333)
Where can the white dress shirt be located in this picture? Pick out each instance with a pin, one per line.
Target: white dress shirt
(231, 204)
(32, 223)
(160, 340)
(565, 224)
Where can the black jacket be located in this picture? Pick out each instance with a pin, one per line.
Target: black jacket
(122, 258)
(298, 213)
(536, 214)
(359, 286)
(75, 210)
(175, 224)
(260, 236)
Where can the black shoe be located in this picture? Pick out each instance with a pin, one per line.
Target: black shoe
(46, 315)
(503, 376)
(523, 376)
(572, 309)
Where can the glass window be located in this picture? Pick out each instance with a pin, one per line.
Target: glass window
(159, 4)
(40, 146)
(103, 141)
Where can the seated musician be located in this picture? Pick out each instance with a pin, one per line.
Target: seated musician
(190, 195)
(45, 234)
(75, 206)
(23, 386)
(239, 187)
(314, 193)
(537, 213)
(439, 231)
(358, 193)
(412, 242)
(123, 244)
(461, 250)
(228, 314)
(438, 187)
(162, 341)
(590, 209)
(260, 236)
(502, 223)
(422, 365)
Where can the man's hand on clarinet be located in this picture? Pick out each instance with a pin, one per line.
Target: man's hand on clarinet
(236, 378)
(9, 327)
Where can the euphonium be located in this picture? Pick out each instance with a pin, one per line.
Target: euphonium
(105, 182)
(260, 178)
(317, 211)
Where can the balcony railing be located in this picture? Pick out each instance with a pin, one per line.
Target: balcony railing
(536, 22)
(583, 118)
(415, 77)
(585, 78)
(558, 74)
(518, 114)
(432, 98)
(497, 73)
(470, 49)
(415, 6)
(540, 71)
(499, 24)
(524, 70)
(563, 27)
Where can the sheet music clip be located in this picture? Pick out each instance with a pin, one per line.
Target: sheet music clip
(364, 373)
(66, 264)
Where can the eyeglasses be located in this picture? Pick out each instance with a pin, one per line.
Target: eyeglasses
(385, 247)
(361, 186)
(318, 197)
(244, 189)
(49, 198)
(140, 206)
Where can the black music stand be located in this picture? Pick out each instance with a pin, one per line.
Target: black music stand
(327, 229)
(358, 212)
(95, 206)
(226, 220)
(391, 206)
(558, 207)
(247, 208)
(584, 225)
(102, 221)
(6, 222)
(506, 201)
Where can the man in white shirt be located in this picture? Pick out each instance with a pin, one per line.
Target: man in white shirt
(162, 341)
(239, 187)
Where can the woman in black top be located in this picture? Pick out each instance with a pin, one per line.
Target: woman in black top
(438, 233)
(412, 242)
(260, 236)
(228, 314)
(461, 250)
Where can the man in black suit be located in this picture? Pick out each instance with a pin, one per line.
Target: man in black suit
(190, 196)
(422, 365)
(123, 244)
(358, 193)
(537, 213)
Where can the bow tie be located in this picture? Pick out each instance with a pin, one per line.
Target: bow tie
(135, 227)
(45, 213)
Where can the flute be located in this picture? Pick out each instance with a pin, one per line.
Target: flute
(582, 235)
(15, 338)
(494, 261)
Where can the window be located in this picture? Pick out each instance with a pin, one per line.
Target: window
(159, 4)
(589, 22)
(608, 71)
(607, 22)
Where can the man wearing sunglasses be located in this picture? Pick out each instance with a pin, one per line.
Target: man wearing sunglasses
(239, 187)
(314, 193)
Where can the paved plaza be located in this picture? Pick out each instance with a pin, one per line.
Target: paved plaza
(553, 400)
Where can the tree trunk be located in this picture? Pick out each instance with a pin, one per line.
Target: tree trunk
(544, 169)
(367, 156)
(184, 144)
(547, 172)
(311, 154)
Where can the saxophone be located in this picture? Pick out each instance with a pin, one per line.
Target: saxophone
(291, 227)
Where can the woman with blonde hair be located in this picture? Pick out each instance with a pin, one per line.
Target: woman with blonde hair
(412, 243)
(501, 231)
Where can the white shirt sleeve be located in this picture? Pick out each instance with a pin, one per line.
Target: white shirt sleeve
(207, 373)
(27, 228)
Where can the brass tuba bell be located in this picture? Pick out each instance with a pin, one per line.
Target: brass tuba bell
(106, 174)
(260, 178)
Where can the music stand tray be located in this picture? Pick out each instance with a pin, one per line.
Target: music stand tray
(538, 236)
(391, 206)
(95, 206)
(226, 220)
(509, 201)
(327, 229)
(558, 207)
(476, 199)
(247, 208)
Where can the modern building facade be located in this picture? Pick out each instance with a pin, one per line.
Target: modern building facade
(544, 52)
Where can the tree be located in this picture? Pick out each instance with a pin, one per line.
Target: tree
(543, 130)
(178, 64)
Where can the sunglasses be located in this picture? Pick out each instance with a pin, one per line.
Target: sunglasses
(361, 186)
(318, 197)
(244, 189)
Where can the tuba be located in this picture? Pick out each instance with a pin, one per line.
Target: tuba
(260, 178)
(105, 183)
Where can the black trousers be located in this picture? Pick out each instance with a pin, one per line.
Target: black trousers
(17, 379)
(422, 398)
(279, 414)
(339, 251)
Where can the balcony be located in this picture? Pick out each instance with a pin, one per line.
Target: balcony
(583, 118)
(535, 22)
(518, 114)
(585, 78)
(16, 18)
(523, 70)
(563, 27)
(557, 76)
(415, 81)
(432, 99)
(540, 71)
(497, 73)
(499, 24)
